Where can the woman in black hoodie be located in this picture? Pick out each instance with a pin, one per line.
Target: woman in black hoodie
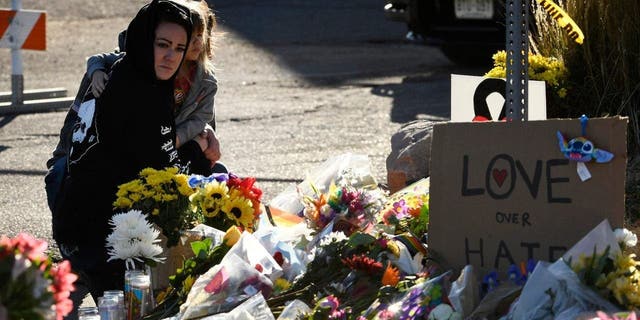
(130, 127)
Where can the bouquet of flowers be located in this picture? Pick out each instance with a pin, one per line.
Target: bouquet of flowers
(421, 299)
(133, 239)
(615, 278)
(408, 209)
(31, 285)
(225, 200)
(351, 209)
(164, 196)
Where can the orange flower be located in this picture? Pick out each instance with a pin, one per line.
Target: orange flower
(415, 212)
(320, 202)
(391, 275)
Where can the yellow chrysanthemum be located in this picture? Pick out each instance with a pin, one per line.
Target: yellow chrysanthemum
(135, 197)
(240, 210)
(133, 186)
(155, 212)
(147, 194)
(169, 197)
(183, 184)
(548, 69)
(157, 178)
(123, 203)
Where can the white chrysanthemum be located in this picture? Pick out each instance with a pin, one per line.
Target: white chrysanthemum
(626, 237)
(133, 238)
(332, 237)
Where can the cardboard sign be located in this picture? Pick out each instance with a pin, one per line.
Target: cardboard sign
(503, 192)
(473, 96)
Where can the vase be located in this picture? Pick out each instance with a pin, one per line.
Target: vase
(138, 293)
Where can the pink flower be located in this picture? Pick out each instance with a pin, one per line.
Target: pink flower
(63, 279)
(218, 283)
(31, 247)
(57, 280)
(62, 286)
(330, 302)
(63, 308)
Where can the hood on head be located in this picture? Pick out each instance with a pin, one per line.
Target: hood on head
(140, 34)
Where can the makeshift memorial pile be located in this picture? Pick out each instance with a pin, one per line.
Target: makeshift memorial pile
(164, 196)
(31, 285)
(357, 254)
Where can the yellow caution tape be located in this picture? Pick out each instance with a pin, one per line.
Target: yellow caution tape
(563, 19)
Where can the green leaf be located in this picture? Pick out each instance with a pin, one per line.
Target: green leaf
(198, 246)
(360, 239)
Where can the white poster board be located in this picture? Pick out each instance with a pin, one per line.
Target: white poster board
(474, 97)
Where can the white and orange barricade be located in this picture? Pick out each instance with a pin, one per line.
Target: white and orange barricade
(23, 29)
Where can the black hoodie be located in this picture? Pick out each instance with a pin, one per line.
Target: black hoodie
(130, 127)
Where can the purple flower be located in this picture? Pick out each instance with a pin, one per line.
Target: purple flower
(412, 305)
(401, 209)
(196, 180)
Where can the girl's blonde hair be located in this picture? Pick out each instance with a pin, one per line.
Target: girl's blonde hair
(204, 19)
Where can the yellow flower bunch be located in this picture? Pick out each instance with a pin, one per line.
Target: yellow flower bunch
(618, 279)
(159, 186)
(623, 282)
(164, 196)
(548, 69)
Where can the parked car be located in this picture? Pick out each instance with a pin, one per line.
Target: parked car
(467, 31)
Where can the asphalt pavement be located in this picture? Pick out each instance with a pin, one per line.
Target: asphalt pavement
(299, 82)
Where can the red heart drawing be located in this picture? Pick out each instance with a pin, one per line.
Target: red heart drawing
(499, 176)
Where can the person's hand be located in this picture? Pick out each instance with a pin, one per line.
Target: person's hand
(213, 145)
(99, 80)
